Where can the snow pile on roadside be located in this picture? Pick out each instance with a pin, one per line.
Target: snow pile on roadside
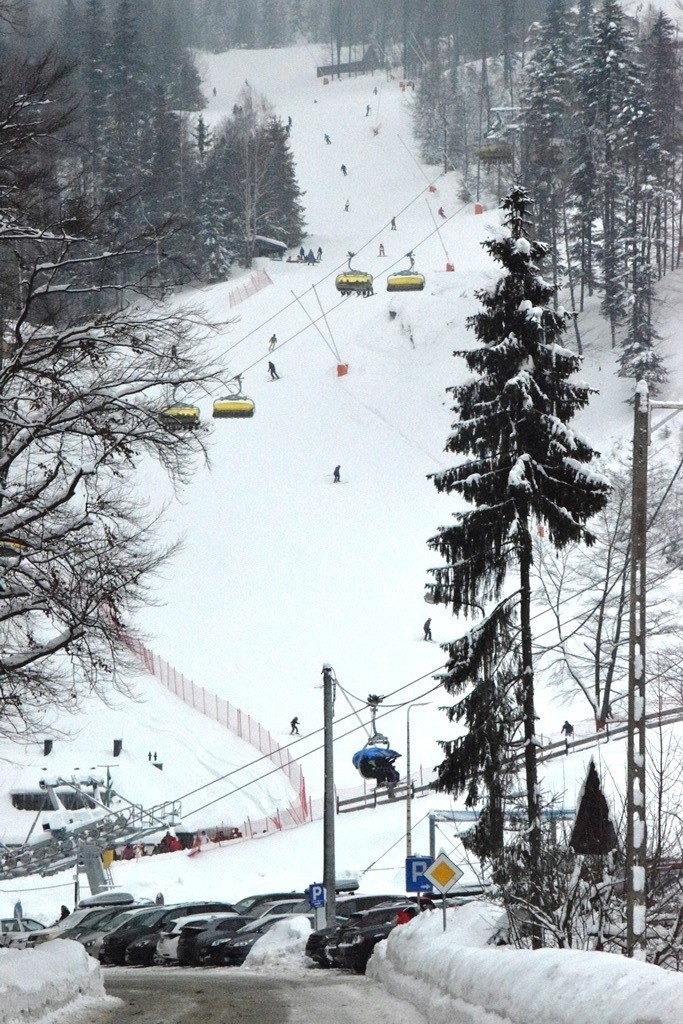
(282, 946)
(446, 977)
(37, 982)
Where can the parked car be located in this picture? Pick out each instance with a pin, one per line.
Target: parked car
(195, 941)
(58, 930)
(167, 943)
(249, 905)
(319, 940)
(100, 920)
(292, 906)
(93, 940)
(114, 949)
(357, 939)
(232, 951)
(14, 931)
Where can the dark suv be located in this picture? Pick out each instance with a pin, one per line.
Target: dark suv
(196, 941)
(147, 924)
(358, 937)
(322, 942)
(250, 905)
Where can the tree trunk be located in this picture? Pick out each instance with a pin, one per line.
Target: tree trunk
(529, 713)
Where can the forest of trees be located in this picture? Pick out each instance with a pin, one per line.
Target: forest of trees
(133, 155)
(589, 118)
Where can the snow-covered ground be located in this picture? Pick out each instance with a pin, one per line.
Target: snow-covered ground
(283, 570)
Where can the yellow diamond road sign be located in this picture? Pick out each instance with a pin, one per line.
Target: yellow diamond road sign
(443, 873)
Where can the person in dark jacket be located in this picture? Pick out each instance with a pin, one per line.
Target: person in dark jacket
(428, 629)
(294, 726)
(337, 473)
(343, 170)
(319, 254)
(274, 375)
(567, 729)
(310, 257)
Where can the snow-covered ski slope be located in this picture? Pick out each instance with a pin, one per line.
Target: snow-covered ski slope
(282, 569)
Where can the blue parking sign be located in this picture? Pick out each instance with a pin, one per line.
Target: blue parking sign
(316, 895)
(416, 881)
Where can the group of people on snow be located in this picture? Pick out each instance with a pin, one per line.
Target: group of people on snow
(309, 257)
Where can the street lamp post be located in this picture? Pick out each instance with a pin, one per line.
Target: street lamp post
(409, 788)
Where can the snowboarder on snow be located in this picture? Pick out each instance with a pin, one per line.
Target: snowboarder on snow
(294, 726)
(346, 206)
(272, 344)
(441, 213)
(393, 223)
(328, 140)
(381, 250)
(337, 474)
(367, 110)
(274, 375)
(343, 170)
(319, 254)
(428, 629)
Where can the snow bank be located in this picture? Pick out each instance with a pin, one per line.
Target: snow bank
(283, 945)
(36, 982)
(447, 977)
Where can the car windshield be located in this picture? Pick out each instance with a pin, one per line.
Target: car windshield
(230, 925)
(74, 920)
(247, 904)
(129, 920)
(94, 919)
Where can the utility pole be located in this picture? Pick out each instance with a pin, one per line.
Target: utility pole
(636, 846)
(409, 783)
(329, 870)
(636, 835)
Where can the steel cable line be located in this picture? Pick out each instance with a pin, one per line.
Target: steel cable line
(315, 732)
(314, 320)
(276, 768)
(336, 270)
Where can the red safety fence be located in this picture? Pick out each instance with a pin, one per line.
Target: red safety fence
(254, 283)
(234, 719)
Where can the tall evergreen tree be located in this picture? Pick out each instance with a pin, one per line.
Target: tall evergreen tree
(520, 464)
(547, 99)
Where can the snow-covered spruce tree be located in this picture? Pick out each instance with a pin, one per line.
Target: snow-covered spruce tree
(252, 168)
(81, 402)
(519, 464)
(478, 763)
(547, 100)
(664, 85)
(617, 124)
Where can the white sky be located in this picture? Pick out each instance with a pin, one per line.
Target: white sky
(282, 570)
